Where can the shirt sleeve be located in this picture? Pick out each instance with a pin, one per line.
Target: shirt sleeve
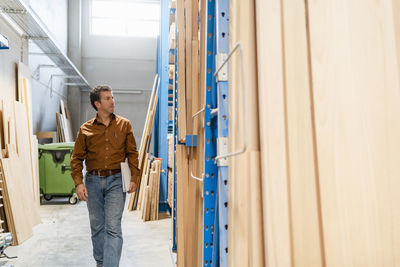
(132, 154)
(78, 156)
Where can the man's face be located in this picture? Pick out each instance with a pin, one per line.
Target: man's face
(106, 103)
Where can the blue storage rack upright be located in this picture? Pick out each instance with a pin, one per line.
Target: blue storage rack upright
(215, 178)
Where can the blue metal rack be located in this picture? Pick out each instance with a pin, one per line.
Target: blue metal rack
(161, 119)
(222, 49)
(210, 206)
(175, 140)
(215, 178)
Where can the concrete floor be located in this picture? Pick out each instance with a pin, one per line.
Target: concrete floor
(63, 239)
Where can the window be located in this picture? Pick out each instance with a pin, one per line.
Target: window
(129, 18)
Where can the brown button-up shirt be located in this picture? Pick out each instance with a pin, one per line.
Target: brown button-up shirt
(104, 148)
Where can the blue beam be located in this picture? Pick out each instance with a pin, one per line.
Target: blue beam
(161, 121)
(222, 39)
(210, 205)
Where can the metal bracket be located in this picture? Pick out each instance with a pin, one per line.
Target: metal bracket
(237, 47)
(222, 75)
(222, 149)
(201, 179)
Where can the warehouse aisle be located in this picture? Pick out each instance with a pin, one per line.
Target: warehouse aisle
(63, 239)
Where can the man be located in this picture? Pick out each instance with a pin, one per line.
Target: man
(104, 142)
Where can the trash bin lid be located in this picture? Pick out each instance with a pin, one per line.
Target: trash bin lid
(57, 146)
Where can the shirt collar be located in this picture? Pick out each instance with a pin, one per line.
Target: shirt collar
(95, 121)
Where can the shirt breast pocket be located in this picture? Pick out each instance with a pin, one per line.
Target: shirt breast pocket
(118, 140)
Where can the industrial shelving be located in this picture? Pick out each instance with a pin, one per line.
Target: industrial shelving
(215, 178)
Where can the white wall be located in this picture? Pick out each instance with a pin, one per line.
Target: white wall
(45, 102)
(9, 59)
(53, 14)
(122, 63)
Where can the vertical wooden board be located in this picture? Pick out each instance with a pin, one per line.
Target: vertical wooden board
(275, 196)
(188, 65)
(357, 120)
(180, 11)
(24, 143)
(66, 122)
(303, 183)
(143, 181)
(243, 248)
(20, 196)
(181, 176)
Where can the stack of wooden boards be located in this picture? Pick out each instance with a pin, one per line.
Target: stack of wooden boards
(149, 195)
(64, 129)
(318, 183)
(145, 142)
(191, 52)
(19, 171)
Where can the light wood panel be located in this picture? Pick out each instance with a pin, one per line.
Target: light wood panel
(181, 168)
(24, 213)
(180, 17)
(303, 179)
(275, 197)
(356, 96)
(245, 216)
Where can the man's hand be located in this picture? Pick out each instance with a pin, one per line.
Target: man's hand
(81, 191)
(132, 188)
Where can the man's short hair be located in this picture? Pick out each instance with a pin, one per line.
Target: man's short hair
(95, 93)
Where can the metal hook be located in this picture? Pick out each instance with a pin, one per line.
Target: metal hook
(191, 150)
(236, 47)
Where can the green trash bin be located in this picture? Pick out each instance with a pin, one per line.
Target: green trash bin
(55, 171)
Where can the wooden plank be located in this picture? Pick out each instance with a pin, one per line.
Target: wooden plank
(181, 72)
(45, 135)
(143, 181)
(245, 210)
(143, 142)
(188, 65)
(23, 210)
(146, 141)
(158, 173)
(24, 145)
(304, 196)
(356, 95)
(66, 122)
(277, 242)
(181, 167)
(7, 207)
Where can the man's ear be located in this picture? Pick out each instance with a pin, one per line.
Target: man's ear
(97, 104)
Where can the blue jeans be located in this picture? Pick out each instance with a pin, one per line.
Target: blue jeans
(106, 203)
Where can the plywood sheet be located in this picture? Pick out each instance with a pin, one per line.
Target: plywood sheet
(356, 96)
(245, 220)
(24, 212)
(275, 194)
(181, 72)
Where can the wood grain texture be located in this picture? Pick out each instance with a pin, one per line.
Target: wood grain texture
(275, 194)
(245, 217)
(307, 241)
(356, 95)
(181, 72)
(23, 210)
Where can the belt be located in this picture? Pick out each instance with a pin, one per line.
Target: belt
(104, 173)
